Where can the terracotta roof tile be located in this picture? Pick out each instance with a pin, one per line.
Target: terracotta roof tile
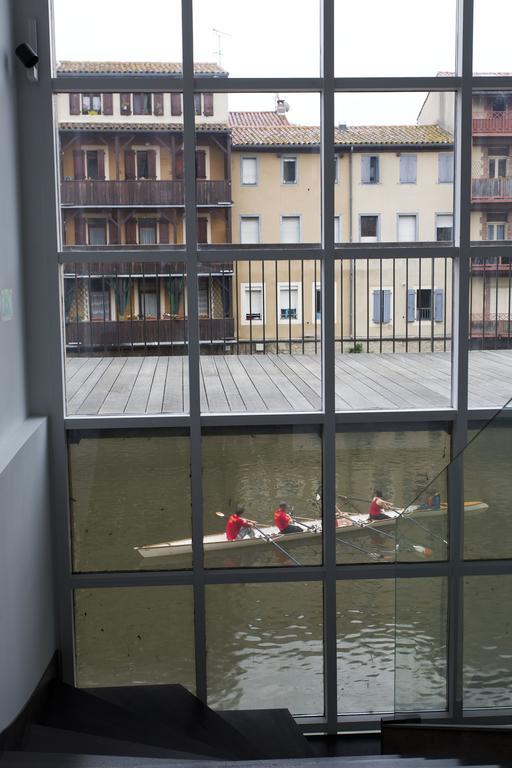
(239, 119)
(134, 68)
(306, 135)
(130, 127)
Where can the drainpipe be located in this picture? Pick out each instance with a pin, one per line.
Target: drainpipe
(351, 240)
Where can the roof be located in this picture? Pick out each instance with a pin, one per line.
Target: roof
(363, 135)
(132, 127)
(255, 119)
(134, 68)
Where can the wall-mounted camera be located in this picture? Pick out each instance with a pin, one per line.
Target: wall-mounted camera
(26, 52)
(26, 55)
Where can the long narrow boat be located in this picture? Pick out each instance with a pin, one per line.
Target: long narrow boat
(347, 524)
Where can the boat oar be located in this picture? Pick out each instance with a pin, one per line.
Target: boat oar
(402, 515)
(268, 538)
(373, 555)
(418, 548)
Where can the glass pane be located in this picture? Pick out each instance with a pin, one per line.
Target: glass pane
(270, 40)
(117, 31)
(260, 328)
(405, 48)
(265, 645)
(126, 332)
(255, 472)
(487, 641)
(134, 636)
(395, 165)
(492, 20)
(487, 481)
(128, 490)
(276, 201)
(421, 664)
(403, 467)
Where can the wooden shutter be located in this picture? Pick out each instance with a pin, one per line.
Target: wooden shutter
(101, 164)
(200, 164)
(408, 169)
(79, 230)
(163, 231)
(74, 103)
(438, 304)
(208, 104)
(131, 231)
(151, 164)
(79, 164)
(197, 103)
(386, 315)
(158, 104)
(108, 104)
(125, 104)
(377, 298)
(178, 171)
(365, 170)
(113, 232)
(175, 104)
(129, 164)
(411, 305)
(138, 104)
(202, 230)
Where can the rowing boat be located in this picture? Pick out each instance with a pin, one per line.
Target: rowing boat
(347, 522)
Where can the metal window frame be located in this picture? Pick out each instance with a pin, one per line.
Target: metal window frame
(45, 379)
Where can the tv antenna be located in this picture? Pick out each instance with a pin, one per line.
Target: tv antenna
(220, 34)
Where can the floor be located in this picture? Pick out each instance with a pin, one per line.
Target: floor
(107, 386)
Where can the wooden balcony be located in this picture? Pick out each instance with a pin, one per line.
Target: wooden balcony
(491, 326)
(93, 193)
(491, 190)
(110, 334)
(493, 123)
(492, 265)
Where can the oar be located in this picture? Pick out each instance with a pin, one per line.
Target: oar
(419, 548)
(404, 516)
(373, 555)
(268, 538)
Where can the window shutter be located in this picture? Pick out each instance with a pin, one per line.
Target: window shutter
(387, 306)
(131, 231)
(79, 164)
(438, 304)
(129, 164)
(197, 103)
(446, 167)
(175, 104)
(208, 104)
(202, 230)
(101, 164)
(108, 104)
(163, 231)
(79, 230)
(376, 170)
(407, 169)
(411, 305)
(376, 306)
(200, 164)
(178, 171)
(125, 104)
(113, 232)
(138, 104)
(158, 104)
(365, 170)
(151, 164)
(74, 103)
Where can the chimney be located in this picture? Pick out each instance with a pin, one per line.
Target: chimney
(342, 127)
(282, 106)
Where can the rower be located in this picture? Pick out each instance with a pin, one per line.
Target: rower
(239, 527)
(377, 507)
(284, 521)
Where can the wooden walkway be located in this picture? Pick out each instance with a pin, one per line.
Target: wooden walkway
(109, 386)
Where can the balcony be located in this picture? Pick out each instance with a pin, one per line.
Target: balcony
(99, 334)
(491, 190)
(492, 265)
(93, 193)
(493, 123)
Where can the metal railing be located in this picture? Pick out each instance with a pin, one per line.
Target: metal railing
(483, 189)
(91, 193)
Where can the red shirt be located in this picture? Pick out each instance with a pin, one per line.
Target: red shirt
(233, 526)
(282, 519)
(375, 510)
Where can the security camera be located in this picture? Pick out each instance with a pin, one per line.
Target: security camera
(26, 55)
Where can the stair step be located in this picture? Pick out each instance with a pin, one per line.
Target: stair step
(76, 760)
(175, 706)
(274, 731)
(72, 709)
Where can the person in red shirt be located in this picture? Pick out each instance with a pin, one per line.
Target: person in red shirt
(239, 527)
(284, 521)
(377, 507)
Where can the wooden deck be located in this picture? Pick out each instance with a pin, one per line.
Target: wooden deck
(109, 386)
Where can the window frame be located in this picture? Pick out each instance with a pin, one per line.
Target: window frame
(254, 183)
(293, 285)
(246, 217)
(298, 218)
(288, 158)
(245, 290)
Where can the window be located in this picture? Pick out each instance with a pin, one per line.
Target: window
(369, 229)
(381, 303)
(408, 169)
(289, 168)
(445, 167)
(498, 103)
(148, 300)
(249, 171)
(203, 104)
(99, 298)
(497, 226)
(249, 230)
(337, 164)
(142, 164)
(425, 304)
(203, 298)
(142, 104)
(290, 229)
(96, 232)
(92, 164)
(317, 302)
(289, 302)
(370, 169)
(252, 296)
(147, 232)
(91, 103)
(497, 167)
(407, 228)
(444, 227)
(337, 229)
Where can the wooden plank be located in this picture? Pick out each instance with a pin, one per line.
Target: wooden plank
(82, 375)
(216, 400)
(416, 384)
(289, 390)
(245, 386)
(92, 404)
(423, 372)
(235, 400)
(139, 396)
(357, 394)
(73, 365)
(156, 396)
(312, 367)
(88, 386)
(268, 391)
(173, 391)
(309, 386)
(117, 398)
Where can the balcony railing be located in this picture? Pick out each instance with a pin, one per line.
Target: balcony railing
(491, 326)
(493, 122)
(92, 193)
(491, 189)
(108, 334)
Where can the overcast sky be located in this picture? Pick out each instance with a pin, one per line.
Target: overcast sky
(280, 38)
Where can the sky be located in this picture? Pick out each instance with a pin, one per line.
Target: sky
(372, 37)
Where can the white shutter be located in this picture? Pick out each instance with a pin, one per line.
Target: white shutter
(249, 230)
(249, 170)
(290, 229)
(406, 229)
